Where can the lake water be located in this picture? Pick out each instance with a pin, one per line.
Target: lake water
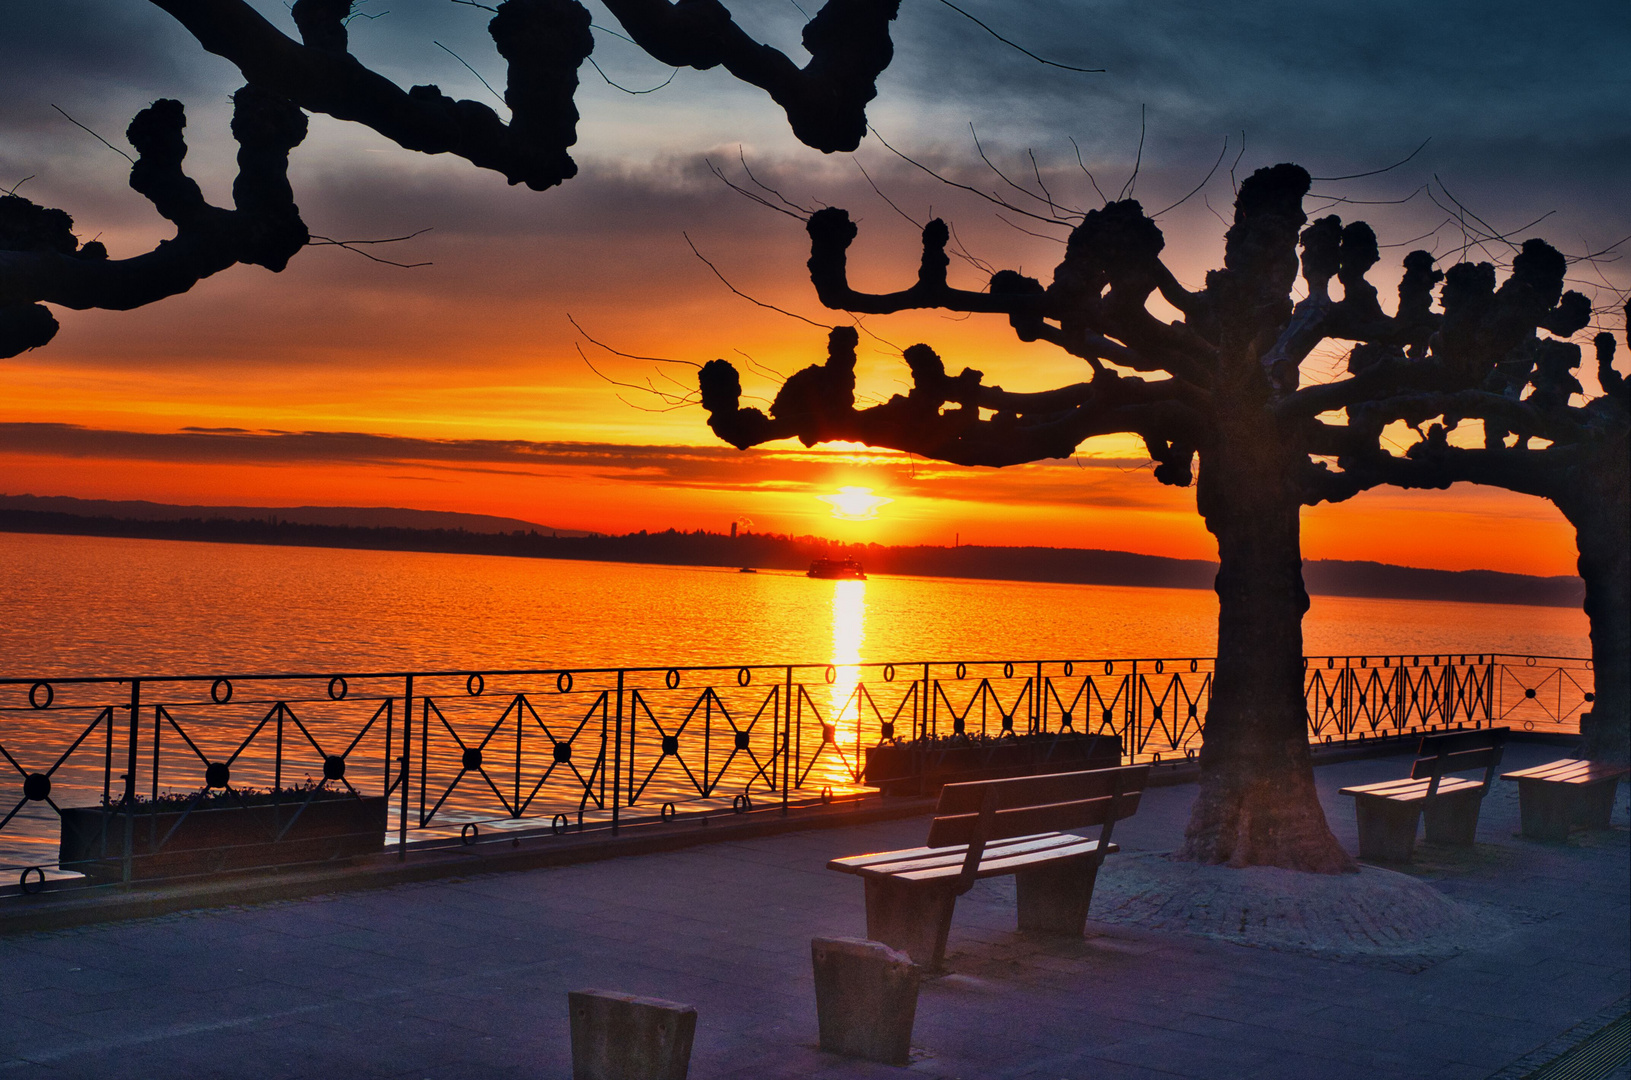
(93, 606)
(511, 751)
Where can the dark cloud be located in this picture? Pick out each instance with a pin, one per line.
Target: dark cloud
(1096, 482)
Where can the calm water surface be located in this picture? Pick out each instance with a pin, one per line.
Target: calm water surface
(93, 606)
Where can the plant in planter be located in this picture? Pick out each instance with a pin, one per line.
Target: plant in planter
(923, 765)
(220, 828)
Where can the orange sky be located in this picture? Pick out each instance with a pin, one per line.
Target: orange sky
(463, 380)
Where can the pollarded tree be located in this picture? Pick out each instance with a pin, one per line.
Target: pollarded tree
(1226, 391)
(1537, 443)
(543, 42)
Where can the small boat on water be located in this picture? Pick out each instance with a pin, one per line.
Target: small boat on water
(747, 570)
(837, 569)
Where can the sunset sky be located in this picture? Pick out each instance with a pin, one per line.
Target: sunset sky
(461, 386)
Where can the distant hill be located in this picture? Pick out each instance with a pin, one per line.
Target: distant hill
(367, 517)
(475, 534)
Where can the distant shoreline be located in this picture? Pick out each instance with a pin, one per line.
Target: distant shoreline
(1072, 566)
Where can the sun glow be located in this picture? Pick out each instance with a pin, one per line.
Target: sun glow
(855, 503)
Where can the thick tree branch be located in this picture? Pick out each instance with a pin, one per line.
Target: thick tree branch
(544, 42)
(825, 101)
(940, 418)
(41, 262)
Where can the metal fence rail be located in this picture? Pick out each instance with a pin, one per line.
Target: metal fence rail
(455, 752)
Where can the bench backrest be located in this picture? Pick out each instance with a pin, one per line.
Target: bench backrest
(1057, 802)
(1459, 751)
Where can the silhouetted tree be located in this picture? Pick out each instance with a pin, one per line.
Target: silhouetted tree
(1227, 392)
(1582, 464)
(543, 42)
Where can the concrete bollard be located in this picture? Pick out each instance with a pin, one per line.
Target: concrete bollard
(866, 999)
(623, 1037)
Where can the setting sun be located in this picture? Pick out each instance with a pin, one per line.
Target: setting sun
(855, 503)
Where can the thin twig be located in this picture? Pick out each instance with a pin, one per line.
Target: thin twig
(1378, 172)
(626, 90)
(1132, 181)
(472, 71)
(620, 352)
(95, 136)
(1090, 178)
(1021, 48)
(1200, 185)
(964, 187)
(356, 246)
(746, 194)
(745, 296)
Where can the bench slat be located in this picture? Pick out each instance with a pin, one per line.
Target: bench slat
(955, 856)
(1462, 761)
(1456, 742)
(1010, 864)
(1570, 771)
(964, 798)
(1029, 820)
(1412, 790)
(854, 864)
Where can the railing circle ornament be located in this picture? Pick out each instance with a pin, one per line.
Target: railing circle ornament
(217, 774)
(563, 682)
(743, 676)
(1190, 753)
(1158, 757)
(38, 884)
(474, 684)
(1529, 661)
(667, 812)
(35, 691)
(673, 678)
(1364, 661)
(1160, 667)
(889, 673)
(1195, 665)
(36, 787)
(831, 673)
(1008, 669)
(1590, 696)
(558, 824)
(334, 767)
(1070, 669)
(962, 671)
(741, 804)
(826, 794)
(1330, 662)
(1109, 667)
(221, 691)
(469, 834)
(1529, 725)
(337, 688)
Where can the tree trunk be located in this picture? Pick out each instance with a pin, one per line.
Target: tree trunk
(1257, 805)
(1599, 508)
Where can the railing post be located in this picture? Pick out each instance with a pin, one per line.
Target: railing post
(617, 757)
(130, 779)
(787, 740)
(928, 704)
(407, 759)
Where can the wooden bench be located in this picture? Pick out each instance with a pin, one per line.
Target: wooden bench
(1388, 811)
(988, 829)
(1564, 793)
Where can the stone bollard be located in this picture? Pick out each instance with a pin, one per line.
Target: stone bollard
(866, 998)
(623, 1037)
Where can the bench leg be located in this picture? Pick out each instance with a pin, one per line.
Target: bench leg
(1054, 899)
(1387, 828)
(914, 919)
(1453, 818)
(1545, 809)
(1594, 804)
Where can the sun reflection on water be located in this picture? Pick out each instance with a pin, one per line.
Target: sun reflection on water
(848, 634)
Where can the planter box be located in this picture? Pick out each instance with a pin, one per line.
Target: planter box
(922, 767)
(218, 839)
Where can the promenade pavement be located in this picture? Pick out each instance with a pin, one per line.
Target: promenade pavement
(468, 978)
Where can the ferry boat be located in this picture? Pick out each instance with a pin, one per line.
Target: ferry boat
(838, 569)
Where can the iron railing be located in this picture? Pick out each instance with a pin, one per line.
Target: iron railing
(457, 752)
